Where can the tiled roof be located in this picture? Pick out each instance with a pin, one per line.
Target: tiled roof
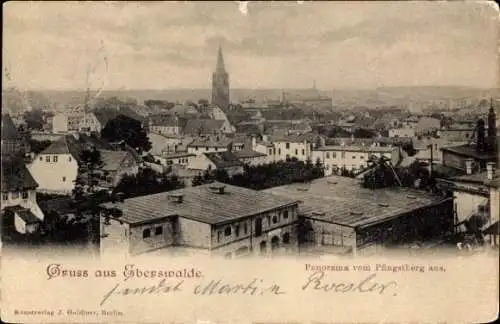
(9, 130)
(195, 126)
(201, 204)
(65, 145)
(112, 159)
(224, 159)
(480, 178)
(16, 177)
(349, 148)
(343, 201)
(470, 151)
(104, 116)
(176, 155)
(210, 142)
(243, 154)
(25, 214)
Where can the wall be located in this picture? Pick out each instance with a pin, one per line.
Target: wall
(138, 244)
(90, 123)
(329, 235)
(16, 199)
(192, 233)
(467, 204)
(402, 132)
(162, 144)
(60, 123)
(19, 224)
(349, 159)
(54, 176)
(228, 245)
(494, 204)
(200, 162)
(301, 150)
(198, 150)
(114, 237)
(165, 130)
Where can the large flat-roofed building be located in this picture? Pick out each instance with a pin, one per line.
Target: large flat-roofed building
(218, 218)
(339, 216)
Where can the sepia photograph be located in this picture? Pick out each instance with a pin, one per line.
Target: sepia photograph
(253, 135)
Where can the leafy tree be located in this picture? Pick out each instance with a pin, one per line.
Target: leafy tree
(89, 170)
(34, 119)
(147, 182)
(409, 149)
(129, 130)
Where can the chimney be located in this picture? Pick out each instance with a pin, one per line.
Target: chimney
(217, 188)
(176, 198)
(492, 129)
(490, 170)
(468, 166)
(254, 143)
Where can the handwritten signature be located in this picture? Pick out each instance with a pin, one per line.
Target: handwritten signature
(317, 282)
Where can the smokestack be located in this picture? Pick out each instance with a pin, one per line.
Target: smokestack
(480, 145)
(468, 166)
(490, 170)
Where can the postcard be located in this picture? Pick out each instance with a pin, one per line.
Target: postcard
(250, 162)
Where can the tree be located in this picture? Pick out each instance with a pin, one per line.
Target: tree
(89, 169)
(34, 119)
(409, 149)
(129, 130)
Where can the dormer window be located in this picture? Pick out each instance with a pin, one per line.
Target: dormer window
(25, 195)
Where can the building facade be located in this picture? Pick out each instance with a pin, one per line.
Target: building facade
(201, 218)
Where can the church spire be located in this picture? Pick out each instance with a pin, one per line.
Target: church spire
(220, 62)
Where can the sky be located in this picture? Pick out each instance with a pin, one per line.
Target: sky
(167, 45)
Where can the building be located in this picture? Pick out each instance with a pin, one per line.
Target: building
(402, 132)
(352, 158)
(291, 146)
(220, 84)
(206, 127)
(427, 148)
(66, 122)
(338, 216)
(251, 157)
(180, 158)
(207, 144)
(13, 144)
(20, 211)
(482, 150)
(161, 144)
(223, 160)
(116, 165)
(55, 169)
(165, 125)
(215, 218)
(476, 198)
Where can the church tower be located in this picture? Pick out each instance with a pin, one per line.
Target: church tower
(220, 84)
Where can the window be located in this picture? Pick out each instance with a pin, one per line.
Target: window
(296, 152)
(327, 155)
(196, 148)
(334, 155)
(258, 227)
(342, 155)
(5, 196)
(275, 219)
(25, 195)
(270, 151)
(227, 231)
(303, 152)
(287, 145)
(268, 218)
(237, 230)
(218, 236)
(41, 158)
(361, 157)
(69, 159)
(245, 228)
(15, 195)
(47, 158)
(159, 230)
(216, 149)
(206, 148)
(285, 214)
(146, 233)
(354, 157)
(279, 151)
(54, 158)
(64, 179)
